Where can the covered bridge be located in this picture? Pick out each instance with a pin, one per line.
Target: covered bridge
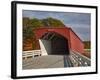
(58, 41)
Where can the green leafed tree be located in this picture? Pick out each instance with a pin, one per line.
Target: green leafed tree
(35, 23)
(52, 22)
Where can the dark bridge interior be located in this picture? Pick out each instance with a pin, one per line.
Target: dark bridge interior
(55, 44)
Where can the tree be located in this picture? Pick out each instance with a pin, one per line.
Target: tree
(51, 22)
(28, 33)
(28, 36)
(26, 21)
(35, 23)
(47, 22)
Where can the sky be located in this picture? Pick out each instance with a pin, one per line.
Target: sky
(79, 22)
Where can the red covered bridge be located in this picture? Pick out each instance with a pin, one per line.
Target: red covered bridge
(59, 40)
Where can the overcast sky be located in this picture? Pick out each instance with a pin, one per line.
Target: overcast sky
(79, 22)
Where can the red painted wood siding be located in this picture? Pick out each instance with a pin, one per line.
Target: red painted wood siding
(74, 42)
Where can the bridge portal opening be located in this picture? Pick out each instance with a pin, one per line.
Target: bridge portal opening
(55, 44)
